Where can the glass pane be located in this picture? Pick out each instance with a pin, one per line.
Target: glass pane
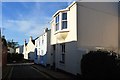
(64, 24)
(63, 57)
(57, 19)
(64, 16)
(57, 27)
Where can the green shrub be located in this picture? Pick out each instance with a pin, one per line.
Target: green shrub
(98, 64)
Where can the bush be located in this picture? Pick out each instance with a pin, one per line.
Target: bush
(98, 64)
(14, 57)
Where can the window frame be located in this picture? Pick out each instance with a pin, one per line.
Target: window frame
(63, 21)
(63, 53)
(57, 19)
(42, 40)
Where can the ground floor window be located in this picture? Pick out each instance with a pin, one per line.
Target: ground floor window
(62, 53)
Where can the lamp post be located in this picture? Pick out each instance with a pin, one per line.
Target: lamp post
(1, 31)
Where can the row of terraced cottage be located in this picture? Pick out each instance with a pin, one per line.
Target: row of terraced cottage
(76, 30)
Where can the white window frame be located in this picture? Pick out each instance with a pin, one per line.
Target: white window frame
(63, 21)
(62, 53)
(57, 24)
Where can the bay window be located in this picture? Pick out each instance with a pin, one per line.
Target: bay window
(63, 53)
(61, 21)
(64, 20)
(57, 22)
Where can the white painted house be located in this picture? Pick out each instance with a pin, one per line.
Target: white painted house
(11, 50)
(28, 50)
(42, 48)
(82, 27)
(19, 49)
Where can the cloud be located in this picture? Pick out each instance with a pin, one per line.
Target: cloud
(31, 24)
(32, 28)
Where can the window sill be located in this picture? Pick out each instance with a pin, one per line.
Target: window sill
(61, 31)
(62, 62)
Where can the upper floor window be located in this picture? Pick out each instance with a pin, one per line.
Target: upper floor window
(64, 20)
(64, 16)
(57, 22)
(36, 45)
(42, 40)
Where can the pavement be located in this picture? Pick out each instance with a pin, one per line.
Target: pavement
(56, 75)
(5, 72)
(19, 64)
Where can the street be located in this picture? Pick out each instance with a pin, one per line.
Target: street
(25, 72)
(31, 71)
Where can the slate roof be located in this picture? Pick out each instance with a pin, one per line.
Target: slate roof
(33, 41)
(26, 44)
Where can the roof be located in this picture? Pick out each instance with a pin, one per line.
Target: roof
(26, 44)
(36, 38)
(64, 9)
(42, 34)
(60, 11)
(19, 46)
(33, 41)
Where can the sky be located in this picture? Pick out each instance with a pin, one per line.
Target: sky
(20, 20)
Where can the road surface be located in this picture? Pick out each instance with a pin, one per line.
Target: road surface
(26, 72)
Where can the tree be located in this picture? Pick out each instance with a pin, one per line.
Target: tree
(12, 44)
(4, 41)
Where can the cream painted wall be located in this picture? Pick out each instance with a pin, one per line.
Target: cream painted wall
(97, 25)
(44, 44)
(37, 41)
(44, 47)
(11, 50)
(30, 48)
(53, 37)
(72, 58)
(25, 51)
(90, 25)
(72, 23)
(71, 31)
(17, 50)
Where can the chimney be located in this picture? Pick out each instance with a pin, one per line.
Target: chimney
(46, 29)
(30, 38)
(25, 40)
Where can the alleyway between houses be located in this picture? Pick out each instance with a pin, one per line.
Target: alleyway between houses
(34, 72)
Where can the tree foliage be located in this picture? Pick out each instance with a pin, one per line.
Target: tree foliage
(4, 41)
(12, 44)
